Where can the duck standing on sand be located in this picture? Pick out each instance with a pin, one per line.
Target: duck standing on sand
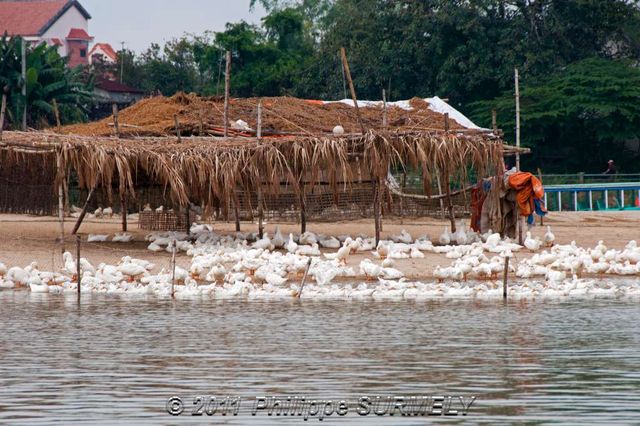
(549, 238)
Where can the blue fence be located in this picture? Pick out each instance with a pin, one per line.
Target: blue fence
(593, 196)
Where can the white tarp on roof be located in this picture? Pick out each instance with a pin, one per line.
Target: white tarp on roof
(435, 104)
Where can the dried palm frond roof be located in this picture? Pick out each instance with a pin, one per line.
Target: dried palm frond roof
(206, 170)
(281, 115)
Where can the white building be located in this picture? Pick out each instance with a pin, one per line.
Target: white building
(62, 23)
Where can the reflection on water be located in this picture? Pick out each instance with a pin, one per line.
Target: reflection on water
(114, 359)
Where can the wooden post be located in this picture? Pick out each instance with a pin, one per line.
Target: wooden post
(56, 112)
(494, 121)
(402, 186)
(84, 210)
(304, 278)
(384, 109)
(173, 268)
(260, 214)
(517, 81)
(452, 217)
(177, 124)
(505, 278)
(24, 84)
(123, 211)
(116, 122)
(60, 202)
(3, 109)
(236, 210)
(376, 208)
(227, 84)
(345, 64)
(78, 268)
(259, 127)
(303, 211)
(442, 210)
(447, 181)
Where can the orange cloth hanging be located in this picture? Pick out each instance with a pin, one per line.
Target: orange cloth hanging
(527, 187)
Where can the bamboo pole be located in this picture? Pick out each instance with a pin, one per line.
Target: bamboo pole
(123, 211)
(345, 64)
(260, 214)
(56, 112)
(494, 121)
(304, 278)
(303, 211)
(188, 220)
(60, 202)
(505, 278)
(402, 188)
(447, 182)
(236, 210)
(259, 127)
(24, 84)
(78, 268)
(384, 109)
(3, 109)
(84, 209)
(517, 82)
(116, 123)
(227, 84)
(376, 209)
(173, 268)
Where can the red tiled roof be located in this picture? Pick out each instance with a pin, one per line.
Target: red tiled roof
(78, 34)
(106, 48)
(33, 17)
(114, 86)
(56, 42)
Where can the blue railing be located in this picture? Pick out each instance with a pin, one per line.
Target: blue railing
(611, 195)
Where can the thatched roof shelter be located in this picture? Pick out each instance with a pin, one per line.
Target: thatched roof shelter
(202, 170)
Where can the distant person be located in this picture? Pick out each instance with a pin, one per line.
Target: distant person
(612, 170)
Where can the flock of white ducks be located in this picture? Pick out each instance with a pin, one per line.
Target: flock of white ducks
(245, 266)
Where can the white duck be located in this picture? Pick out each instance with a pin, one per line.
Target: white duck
(37, 286)
(122, 237)
(291, 246)
(445, 237)
(97, 238)
(278, 240)
(549, 239)
(533, 244)
(404, 237)
(108, 212)
(370, 270)
(341, 255)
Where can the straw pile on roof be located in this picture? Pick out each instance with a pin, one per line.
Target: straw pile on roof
(208, 170)
(281, 115)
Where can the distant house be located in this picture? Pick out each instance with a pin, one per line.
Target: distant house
(104, 53)
(61, 23)
(107, 92)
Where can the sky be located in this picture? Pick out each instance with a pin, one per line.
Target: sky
(141, 22)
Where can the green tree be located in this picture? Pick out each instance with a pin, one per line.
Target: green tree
(47, 78)
(578, 118)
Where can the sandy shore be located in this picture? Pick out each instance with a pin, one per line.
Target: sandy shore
(24, 239)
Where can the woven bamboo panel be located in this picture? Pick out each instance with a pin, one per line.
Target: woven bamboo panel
(165, 221)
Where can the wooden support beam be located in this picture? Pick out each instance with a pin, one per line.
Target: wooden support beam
(116, 124)
(303, 211)
(236, 210)
(260, 214)
(177, 124)
(376, 209)
(83, 213)
(384, 109)
(60, 202)
(123, 211)
(259, 127)
(345, 65)
(494, 121)
(452, 217)
(188, 220)
(56, 112)
(227, 89)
